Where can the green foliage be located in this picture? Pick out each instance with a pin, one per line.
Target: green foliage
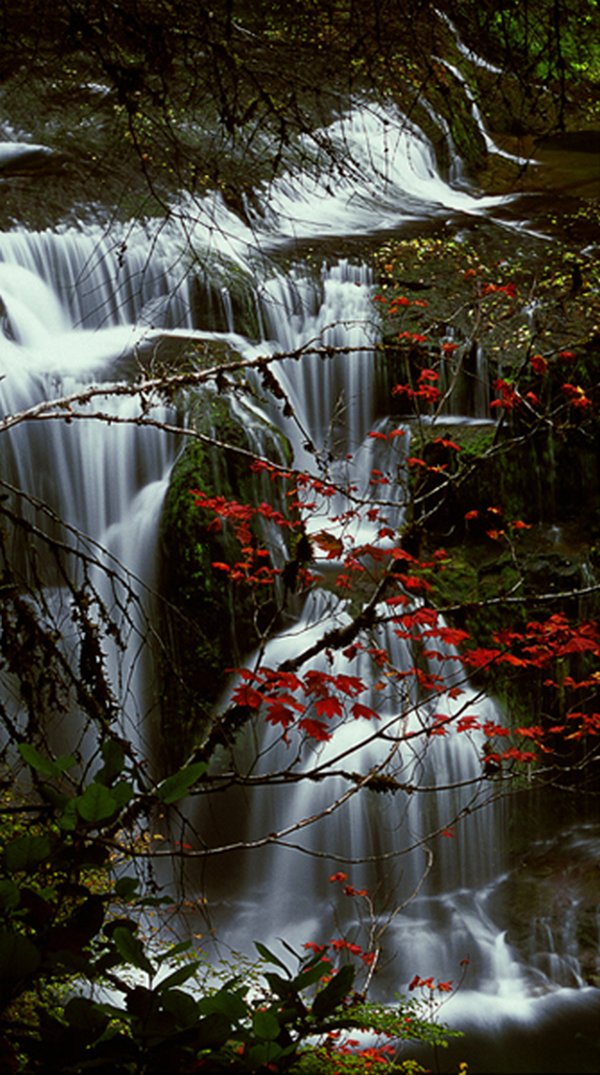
(71, 963)
(174, 787)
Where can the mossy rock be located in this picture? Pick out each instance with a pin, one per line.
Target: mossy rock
(215, 623)
(538, 477)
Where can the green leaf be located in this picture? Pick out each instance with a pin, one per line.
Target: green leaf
(19, 959)
(224, 1003)
(131, 949)
(270, 957)
(114, 761)
(86, 920)
(310, 976)
(57, 799)
(26, 852)
(289, 949)
(122, 793)
(174, 950)
(293, 1016)
(113, 1011)
(9, 895)
(282, 987)
(155, 901)
(182, 1006)
(69, 818)
(144, 1004)
(84, 1014)
(261, 1054)
(38, 908)
(96, 804)
(126, 887)
(174, 787)
(179, 976)
(266, 1025)
(334, 992)
(211, 1033)
(43, 764)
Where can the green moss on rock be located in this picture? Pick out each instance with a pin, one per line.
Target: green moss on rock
(214, 622)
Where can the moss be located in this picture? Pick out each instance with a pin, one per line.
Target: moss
(471, 586)
(214, 623)
(476, 590)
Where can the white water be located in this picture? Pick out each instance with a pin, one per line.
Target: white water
(76, 308)
(392, 177)
(469, 54)
(69, 316)
(388, 177)
(490, 144)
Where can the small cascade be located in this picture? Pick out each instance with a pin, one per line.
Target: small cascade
(556, 957)
(453, 912)
(43, 359)
(390, 176)
(101, 282)
(465, 383)
(383, 841)
(335, 430)
(387, 176)
(476, 113)
(469, 54)
(557, 883)
(332, 394)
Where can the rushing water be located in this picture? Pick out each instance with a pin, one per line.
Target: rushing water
(78, 309)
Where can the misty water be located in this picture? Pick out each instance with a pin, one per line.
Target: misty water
(505, 901)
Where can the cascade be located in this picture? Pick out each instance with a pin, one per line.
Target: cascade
(378, 835)
(387, 176)
(391, 177)
(476, 113)
(465, 377)
(469, 54)
(461, 910)
(69, 312)
(102, 282)
(334, 310)
(74, 308)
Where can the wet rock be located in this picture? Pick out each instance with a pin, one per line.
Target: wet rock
(22, 158)
(552, 572)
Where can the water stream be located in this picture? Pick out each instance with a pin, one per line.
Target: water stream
(78, 308)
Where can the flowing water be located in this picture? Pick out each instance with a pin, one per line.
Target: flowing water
(80, 309)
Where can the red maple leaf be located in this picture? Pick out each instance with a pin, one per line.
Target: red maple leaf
(359, 711)
(328, 707)
(315, 729)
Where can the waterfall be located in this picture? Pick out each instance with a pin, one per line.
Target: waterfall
(386, 176)
(70, 310)
(469, 54)
(102, 282)
(390, 176)
(459, 913)
(465, 383)
(76, 310)
(379, 835)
